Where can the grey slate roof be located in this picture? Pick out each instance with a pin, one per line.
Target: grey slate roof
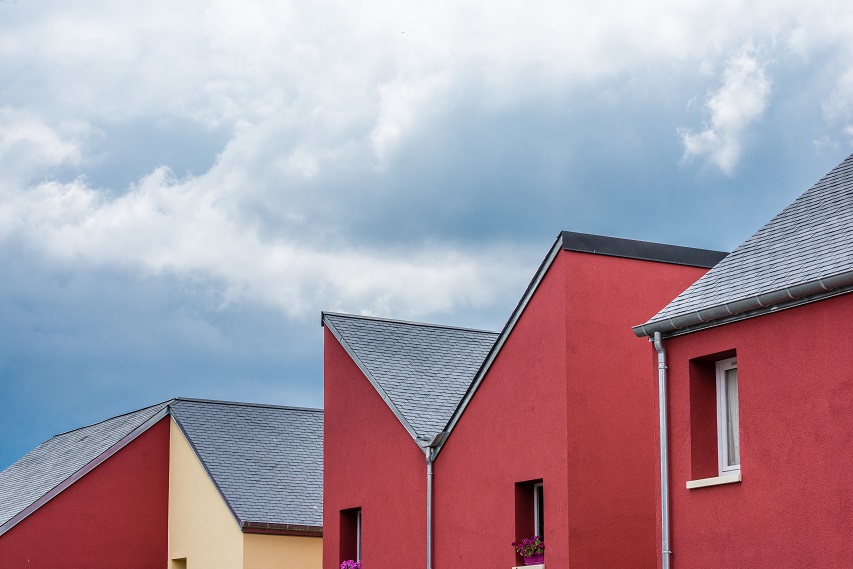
(267, 461)
(54, 461)
(805, 249)
(423, 369)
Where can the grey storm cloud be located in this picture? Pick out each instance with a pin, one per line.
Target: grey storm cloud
(183, 187)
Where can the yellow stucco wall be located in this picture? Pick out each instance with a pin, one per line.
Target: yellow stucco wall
(201, 527)
(203, 531)
(282, 552)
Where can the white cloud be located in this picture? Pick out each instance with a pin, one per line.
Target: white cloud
(319, 93)
(28, 145)
(180, 226)
(739, 102)
(838, 107)
(400, 101)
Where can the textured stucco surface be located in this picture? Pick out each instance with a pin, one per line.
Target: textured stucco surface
(370, 462)
(569, 401)
(795, 390)
(282, 552)
(201, 527)
(114, 516)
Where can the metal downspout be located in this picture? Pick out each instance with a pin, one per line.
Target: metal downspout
(666, 552)
(430, 457)
(430, 448)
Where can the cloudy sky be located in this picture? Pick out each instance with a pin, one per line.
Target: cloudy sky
(184, 186)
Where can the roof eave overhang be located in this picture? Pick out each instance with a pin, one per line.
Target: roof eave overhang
(297, 530)
(751, 307)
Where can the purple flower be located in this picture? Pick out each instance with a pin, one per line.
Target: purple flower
(530, 546)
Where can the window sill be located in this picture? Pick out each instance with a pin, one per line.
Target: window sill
(716, 481)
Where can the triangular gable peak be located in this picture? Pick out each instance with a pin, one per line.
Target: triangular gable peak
(803, 254)
(583, 243)
(59, 462)
(265, 460)
(421, 371)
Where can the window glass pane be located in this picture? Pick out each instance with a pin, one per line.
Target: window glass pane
(539, 503)
(732, 428)
(358, 536)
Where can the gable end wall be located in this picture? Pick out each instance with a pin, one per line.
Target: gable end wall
(114, 516)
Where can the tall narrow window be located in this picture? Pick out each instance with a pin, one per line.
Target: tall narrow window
(538, 509)
(728, 438)
(350, 536)
(358, 535)
(529, 511)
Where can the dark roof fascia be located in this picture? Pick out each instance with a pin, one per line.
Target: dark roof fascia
(331, 327)
(282, 529)
(100, 459)
(504, 334)
(584, 243)
(751, 307)
(206, 469)
(641, 250)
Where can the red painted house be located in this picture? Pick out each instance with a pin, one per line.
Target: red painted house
(92, 497)
(184, 483)
(545, 427)
(756, 364)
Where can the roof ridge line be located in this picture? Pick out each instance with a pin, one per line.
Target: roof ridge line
(262, 405)
(166, 402)
(325, 313)
(73, 477)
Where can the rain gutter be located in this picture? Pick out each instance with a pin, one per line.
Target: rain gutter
(755, 305)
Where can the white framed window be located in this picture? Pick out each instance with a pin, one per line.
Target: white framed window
(358, 535)
(538, 509)
(728, 431)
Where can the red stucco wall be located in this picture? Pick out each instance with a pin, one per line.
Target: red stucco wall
(513, 430)
(115, 516)
(370, 462)
(794, 507)
(612, 422)
(568, 400)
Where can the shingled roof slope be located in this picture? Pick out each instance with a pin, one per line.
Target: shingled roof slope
(59, 458)
(423, 369)
(266, 460)
(810, 241)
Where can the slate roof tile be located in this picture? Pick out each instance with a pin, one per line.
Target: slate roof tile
(424, 369)
(266, 460)
(810, 239)
(57, 459)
